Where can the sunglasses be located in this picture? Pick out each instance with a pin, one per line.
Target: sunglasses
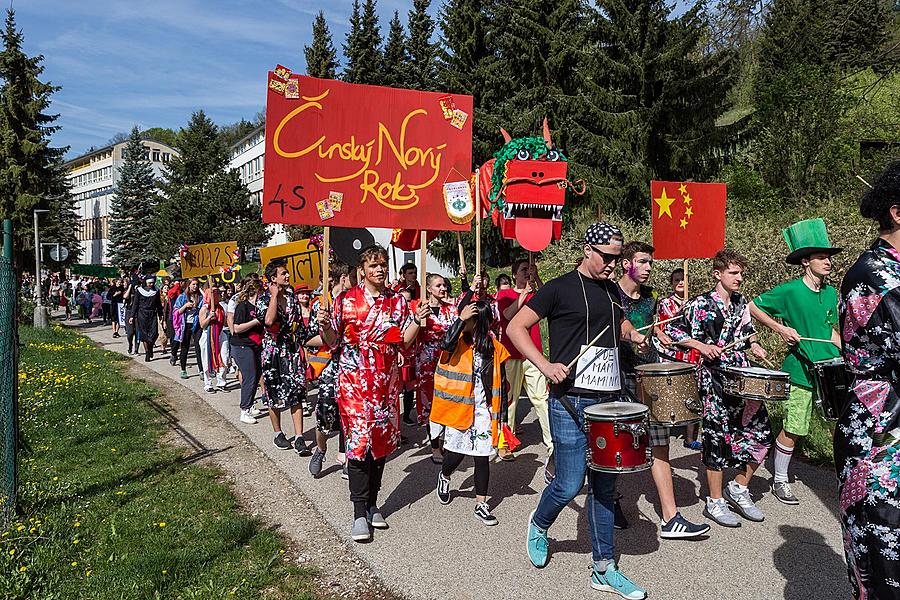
(606, 256)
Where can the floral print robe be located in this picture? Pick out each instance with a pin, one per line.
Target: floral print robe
(735, 432)
(370, 334)
(867, 434)
(327, 413)
(428, 350)
(282, 356)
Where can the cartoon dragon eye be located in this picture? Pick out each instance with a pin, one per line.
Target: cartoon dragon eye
(523, 154)
(552, 155)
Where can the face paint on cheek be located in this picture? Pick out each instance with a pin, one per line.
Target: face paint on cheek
(632, 271)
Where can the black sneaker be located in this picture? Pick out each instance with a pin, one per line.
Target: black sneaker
(281, 442)
(301, 447)
(315, 463)
(483, 514)
(679, 528)
(172, 360)
(443, 490)
(619, 521)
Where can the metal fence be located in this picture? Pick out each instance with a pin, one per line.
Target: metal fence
(9, 381)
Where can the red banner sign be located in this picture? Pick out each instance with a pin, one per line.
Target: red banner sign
(688, 218)
(349, 155)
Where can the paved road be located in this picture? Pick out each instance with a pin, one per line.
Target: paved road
(440, 552)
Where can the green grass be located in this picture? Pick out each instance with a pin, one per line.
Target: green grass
(107, 509)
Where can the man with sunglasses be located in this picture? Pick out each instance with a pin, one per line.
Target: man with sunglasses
(578, 306)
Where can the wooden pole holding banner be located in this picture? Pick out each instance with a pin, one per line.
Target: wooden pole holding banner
(423, 276)
(685, 268)
(462, 255)
(326, 270)
(477, 226)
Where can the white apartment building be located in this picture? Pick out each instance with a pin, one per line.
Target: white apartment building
(92, 181)
(248, 157)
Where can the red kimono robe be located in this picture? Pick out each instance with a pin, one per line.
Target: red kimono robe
(370, 334)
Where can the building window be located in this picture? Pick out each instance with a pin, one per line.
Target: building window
(155, 155)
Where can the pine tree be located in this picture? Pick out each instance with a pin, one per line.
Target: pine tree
(650, 100)
(422, 51)
(321, 58)
(363, 46)
(395, 67)
(856, 33)
(203, 199)
(132, 208)
(31, 173)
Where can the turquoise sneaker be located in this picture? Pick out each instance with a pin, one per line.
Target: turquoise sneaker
(614, 581)
(537, 543)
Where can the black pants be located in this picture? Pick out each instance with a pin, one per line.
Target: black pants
(407, 403)
(130, 334)
(248, 362)
(365, 482)
(482, 469)
(189, 338)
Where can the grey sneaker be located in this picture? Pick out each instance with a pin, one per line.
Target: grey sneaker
(376, 519)
(743, 504)
(717, 512)
(361, 532)
(315, 463)
(782, 492)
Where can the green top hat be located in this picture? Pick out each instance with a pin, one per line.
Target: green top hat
(807, 237)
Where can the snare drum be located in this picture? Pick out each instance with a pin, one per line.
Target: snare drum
(832, 383)
(618, 437)
(669, 389)
(756, 383)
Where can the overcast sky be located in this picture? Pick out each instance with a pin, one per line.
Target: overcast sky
(152, 63)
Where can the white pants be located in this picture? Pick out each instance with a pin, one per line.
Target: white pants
(205, 361)
(518, 372)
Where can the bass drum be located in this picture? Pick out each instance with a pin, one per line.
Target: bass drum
(832, 387)
(618, 437)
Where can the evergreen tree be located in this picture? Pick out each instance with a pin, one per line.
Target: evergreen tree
(396, 68)
(651, 98)
(856, 33)
(203, 200)
(422, 51)
(131, 211)
(798, 125)
(31, 173)
(363, 46)
(321, 58)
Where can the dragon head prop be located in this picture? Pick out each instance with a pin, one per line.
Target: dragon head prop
(524, 189)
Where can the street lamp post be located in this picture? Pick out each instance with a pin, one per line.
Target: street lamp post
(40, 312)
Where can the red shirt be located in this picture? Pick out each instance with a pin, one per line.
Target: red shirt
(505, 299)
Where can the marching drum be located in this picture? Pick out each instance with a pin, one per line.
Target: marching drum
(756, 383)
(669, 390)
(618, 437)
(832, 383)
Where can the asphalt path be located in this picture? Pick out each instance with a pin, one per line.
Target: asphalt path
(433, 551)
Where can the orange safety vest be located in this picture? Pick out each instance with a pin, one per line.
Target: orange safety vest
(453, 404)
(317, 361)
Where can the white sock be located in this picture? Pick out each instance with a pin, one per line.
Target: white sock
(736, 487)
(783, 457)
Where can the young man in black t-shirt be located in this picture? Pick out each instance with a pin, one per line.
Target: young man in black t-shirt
(578, 306)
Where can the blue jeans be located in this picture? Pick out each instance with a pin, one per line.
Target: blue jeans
(570, 448)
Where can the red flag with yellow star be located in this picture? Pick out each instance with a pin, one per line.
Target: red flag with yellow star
(688, 219)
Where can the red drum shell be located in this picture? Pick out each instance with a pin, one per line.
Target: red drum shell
(618, 437)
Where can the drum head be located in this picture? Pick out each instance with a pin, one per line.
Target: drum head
(614, 411)
(831, 362)
(758, 372)
(664, 368)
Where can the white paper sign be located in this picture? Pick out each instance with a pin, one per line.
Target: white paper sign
(598, 370)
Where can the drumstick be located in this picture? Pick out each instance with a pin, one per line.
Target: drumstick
(736, 342)
(640, 329)
(586, 348)
(808, 339)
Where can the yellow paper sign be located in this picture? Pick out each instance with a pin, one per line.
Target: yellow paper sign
(304, 261)
(207, 259)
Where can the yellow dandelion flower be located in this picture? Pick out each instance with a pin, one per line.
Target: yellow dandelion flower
(20, 527)
(13, 551)
(77, 524)
(165, 572)
(162, 524)
(75, 541)
(56, 479)
(74, 563)
(88, 573)
(22, 569)
(112, 449)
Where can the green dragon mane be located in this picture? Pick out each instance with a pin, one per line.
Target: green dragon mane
(535, 145)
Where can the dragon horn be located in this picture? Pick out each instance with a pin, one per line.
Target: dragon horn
(547, 134)
(506, 137)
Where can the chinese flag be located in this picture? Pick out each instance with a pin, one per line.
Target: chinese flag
(409, 239)
(688, 219)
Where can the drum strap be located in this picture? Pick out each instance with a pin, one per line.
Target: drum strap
(570, 408)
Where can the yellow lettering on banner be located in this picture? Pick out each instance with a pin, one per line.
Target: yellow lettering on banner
(396, 194)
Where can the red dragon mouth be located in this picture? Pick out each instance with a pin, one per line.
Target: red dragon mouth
(535, 194)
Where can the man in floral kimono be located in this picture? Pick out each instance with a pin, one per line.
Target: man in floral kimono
(369, 325)
(867, 435)
(736, 432)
